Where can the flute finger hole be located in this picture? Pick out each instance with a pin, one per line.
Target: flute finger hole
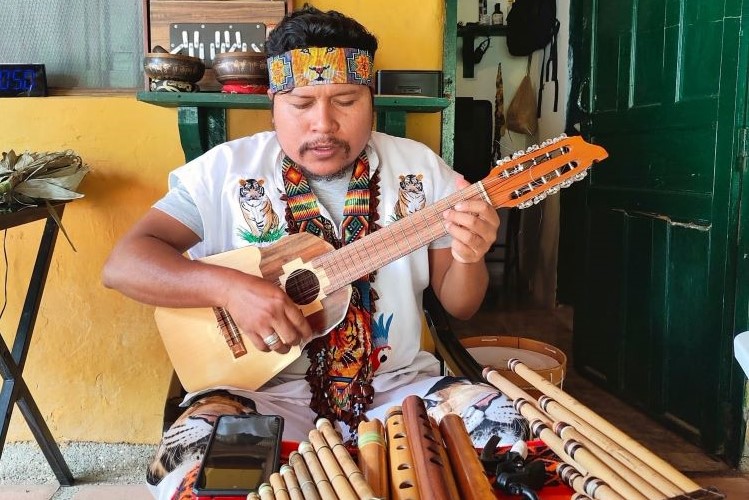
(405, 485)
(404, 466)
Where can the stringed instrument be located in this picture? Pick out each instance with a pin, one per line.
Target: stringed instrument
(208, 350)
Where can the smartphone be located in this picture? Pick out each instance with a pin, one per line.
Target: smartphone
(243, 451)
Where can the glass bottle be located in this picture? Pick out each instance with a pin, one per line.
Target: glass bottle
(497, 16)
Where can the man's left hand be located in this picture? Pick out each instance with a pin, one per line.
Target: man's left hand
(473, 224)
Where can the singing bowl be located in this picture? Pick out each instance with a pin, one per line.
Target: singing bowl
(241, 67)
(165, 66)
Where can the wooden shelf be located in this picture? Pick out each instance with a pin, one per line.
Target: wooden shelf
(474, 30)
(202, 115)
(469, 34)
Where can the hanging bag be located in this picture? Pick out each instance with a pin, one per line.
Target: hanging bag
(521, 113)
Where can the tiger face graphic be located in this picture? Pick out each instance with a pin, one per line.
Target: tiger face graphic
(315, 65)
(257, 208)
(411, 197)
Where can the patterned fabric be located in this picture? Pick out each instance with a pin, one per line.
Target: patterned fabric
(340, 372)
(485, 412)
(319, 66)
(184, 443)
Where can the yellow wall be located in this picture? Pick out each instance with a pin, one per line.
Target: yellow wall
(96, 366)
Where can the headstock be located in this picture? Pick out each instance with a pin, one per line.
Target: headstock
(531, 175)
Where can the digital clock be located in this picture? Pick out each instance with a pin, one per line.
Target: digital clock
(23, 80)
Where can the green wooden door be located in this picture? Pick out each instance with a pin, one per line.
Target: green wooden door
(661, 86)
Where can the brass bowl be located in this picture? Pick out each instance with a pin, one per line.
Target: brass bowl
(165, 66)
(241, 67)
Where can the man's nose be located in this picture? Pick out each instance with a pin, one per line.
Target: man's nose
(325, 119)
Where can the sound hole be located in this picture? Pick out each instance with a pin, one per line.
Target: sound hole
(302, 286)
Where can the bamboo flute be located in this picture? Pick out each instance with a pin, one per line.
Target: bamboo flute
(432, 474)
(590, 486)
(280, 491)
(337, 478)
(292, 485)
(373, 456)
(306, 484)
(344, 459)
(464, 461)
(403, 484)
(585, 413)
(265, 491)
(567, 432)
(580, 457)
(449, 476)
(625, 457)
(316, 471)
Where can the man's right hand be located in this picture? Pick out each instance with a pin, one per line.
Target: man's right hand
(261, 308)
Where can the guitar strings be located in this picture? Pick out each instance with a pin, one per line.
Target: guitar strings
(495, 188)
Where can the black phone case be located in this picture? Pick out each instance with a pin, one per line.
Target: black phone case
(201, 491)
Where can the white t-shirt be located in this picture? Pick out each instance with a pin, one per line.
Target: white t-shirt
(237, 190)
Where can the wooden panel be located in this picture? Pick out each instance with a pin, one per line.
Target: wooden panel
(162, 13)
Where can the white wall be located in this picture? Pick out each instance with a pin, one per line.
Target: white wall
(539, 231)
(482, 85)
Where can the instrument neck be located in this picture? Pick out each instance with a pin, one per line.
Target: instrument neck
(406, 235)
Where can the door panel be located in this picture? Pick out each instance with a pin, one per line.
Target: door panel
(663, 85)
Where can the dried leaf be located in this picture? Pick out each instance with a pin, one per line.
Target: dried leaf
(34, 177)
(45, 190)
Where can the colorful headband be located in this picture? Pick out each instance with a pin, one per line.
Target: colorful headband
(319, 66)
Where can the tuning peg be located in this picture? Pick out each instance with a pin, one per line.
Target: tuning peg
(566, 183)
(517, 154)
(580, 175)
(538, 199)
(525, 204)
(554, 190)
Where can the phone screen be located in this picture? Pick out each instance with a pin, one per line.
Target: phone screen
(242, 453)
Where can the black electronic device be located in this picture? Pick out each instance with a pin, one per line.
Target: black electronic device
(409, 82)
(242, 452)
(23, 80)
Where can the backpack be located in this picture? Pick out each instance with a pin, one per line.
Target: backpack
(531, 25)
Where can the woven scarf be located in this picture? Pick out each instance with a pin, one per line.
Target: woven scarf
(340, 372)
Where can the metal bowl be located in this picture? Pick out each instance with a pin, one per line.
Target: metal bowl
(241, 67)
(165, 66)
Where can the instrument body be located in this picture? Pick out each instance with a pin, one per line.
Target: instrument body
(208, 350)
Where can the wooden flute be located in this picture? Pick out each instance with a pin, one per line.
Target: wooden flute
(433, 475)
(304, 478)
(291, 482)
(627, 469)
(403, 485)
(316, 471)
(265, 491)
(332, 468)
(373, 456)
(569, 451)
(590, 486)
(345, 460)
(621, 439)
(464, 461)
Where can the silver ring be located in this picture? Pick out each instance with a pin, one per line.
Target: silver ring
(272, 339)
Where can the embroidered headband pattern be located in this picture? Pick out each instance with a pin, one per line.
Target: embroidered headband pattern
(319, 66)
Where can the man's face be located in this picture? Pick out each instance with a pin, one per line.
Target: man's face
(323, 128)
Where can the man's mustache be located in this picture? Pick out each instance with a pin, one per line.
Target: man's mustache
(324, 142)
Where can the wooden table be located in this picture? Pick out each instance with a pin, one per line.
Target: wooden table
(14, 389)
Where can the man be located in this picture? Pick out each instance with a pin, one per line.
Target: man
(325, 172)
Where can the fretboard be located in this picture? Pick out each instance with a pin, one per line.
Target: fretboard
(350, 262)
